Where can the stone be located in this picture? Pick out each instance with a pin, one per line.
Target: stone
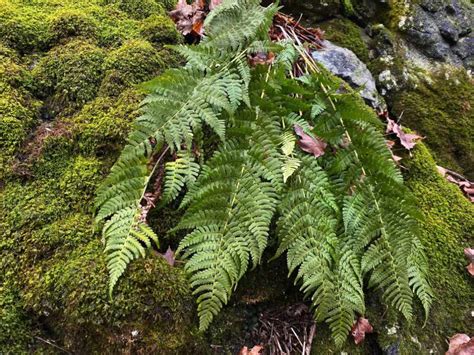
(343, 63)
(314, 10)
(424, 33)
(465, 47)
(447, 26)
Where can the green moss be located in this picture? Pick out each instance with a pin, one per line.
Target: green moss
(159, 29)
(446, 231)
(72, 23)
(18, 114)
(347, 34)
(82, 175)
(103, 125)
(23, 28)
(442, 110)
(138, 9)
(85, 317)
(134, 62)
(14, 324)
(70, 74)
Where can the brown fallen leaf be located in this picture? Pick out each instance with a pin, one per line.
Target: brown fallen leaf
(214, 3)
(261, 58)
(254, 351)
(466, 186)
(310, 144)
(469, 253)
(168, 256)
(461, 344)
(408, 140)
(189, 18)
(359, 329)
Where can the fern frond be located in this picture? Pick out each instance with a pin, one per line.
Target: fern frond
(127, 239)
(179, 173)
(230, 211)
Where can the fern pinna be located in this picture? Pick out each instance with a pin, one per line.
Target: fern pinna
(344, 218)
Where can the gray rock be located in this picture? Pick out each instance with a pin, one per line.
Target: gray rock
(433, 5)
(423, 32)
(447, 26)
(464, 49)
(316, 10)
(345, 64)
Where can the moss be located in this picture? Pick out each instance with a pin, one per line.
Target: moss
(103, 125)
(443, 111)
(82, 175)
(67, 23)
(446, 231)
(70, 74)
(139, 9)
(85, 317)
(18, 114)
(14, 323)
(347, 34)
(22, 28)
(159, 29)
(134, 62)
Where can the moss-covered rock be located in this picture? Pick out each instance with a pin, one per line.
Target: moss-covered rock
(67, 23)
(348, 35)
(157, 318)
(103, 125)
(70, 74)
(135, 61)
(139, 9)
(159, 29)
(446, 230)
(22, 27)
(441, 108)
(18, 115)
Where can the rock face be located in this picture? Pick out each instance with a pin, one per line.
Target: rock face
(345, 64)
(442, 30)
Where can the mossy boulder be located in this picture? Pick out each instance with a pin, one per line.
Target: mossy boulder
(70, 74)
(67, 23)
(441, 108)
(139, 9)
(159, 29)
(448, 222)
(102, 126)
(157, 318)
(348, 35)
(22, 27)
(132, 63)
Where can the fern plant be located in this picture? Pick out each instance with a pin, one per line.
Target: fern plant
(344, 219)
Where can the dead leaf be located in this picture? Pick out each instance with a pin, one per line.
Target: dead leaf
(408, 140)
(359, 329)
(466, 186)
(261, 58)
(214, 3)
(188, 18)
(254, 351)
(461, 344)
(169, 256)
(310, 144)
(469, 253)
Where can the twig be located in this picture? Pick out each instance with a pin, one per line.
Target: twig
(312, 331)
(52, 344)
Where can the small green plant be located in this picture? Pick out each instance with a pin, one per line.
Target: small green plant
(343, 216)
